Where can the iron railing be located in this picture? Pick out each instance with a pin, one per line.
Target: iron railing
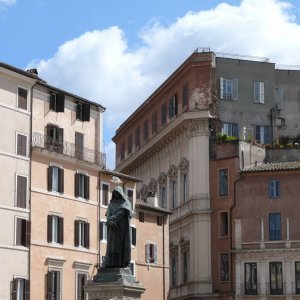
(59, 146)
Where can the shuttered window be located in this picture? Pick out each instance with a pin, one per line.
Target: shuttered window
(22, 232)
(103, 231)
(20, 289)
(151, 253)
(173, 107)
(55, 179)
(223, 182)
(141, 217)
(22, 98)
(82, 234)
(21, 144)
(275, 227)
(133, 236)
(78, 145)
(105, 189)
(57, 102)
(229, 89)
(55, 138)
(21, 191)
(259, 92)
(137, 137)
(154, 122)
(82, 186)
(53, 285)
(83, 111)
(145, 130)
(55, 232)
(129, 144)
(130, 197)
(163, 114)
(81, 282)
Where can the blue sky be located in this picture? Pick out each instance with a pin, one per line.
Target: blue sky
(118, 52)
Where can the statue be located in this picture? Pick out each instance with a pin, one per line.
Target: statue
(119, 212)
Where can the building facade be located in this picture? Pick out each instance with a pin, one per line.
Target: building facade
(15, 107)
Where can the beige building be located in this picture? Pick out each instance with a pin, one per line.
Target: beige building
(15, 109)
(66, 160)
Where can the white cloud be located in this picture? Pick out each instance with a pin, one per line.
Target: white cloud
(7, 2)
(100, 66)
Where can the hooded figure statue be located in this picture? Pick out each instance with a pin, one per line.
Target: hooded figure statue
(119, 212)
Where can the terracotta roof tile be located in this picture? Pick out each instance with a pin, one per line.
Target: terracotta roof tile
(273, 166)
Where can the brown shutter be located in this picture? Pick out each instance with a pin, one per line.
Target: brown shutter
(21, 191)
(50, 171)
(19, 231)
(13, 287)
(87, 235)
(87, 187)
(60, 102)
(78, 145)
(21, 144)
(61, 230)
(52, 101)
(86, 112)
(77, 175)
(101, 231)
(78, 111)
(27, 289)
(49, 229)
(61, 180)
(27, 233)
(23, 232)
(58, 285)
(60, 142)
(49, 285)
(22, 98)
(76, 233)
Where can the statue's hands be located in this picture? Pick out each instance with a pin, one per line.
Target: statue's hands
(111, 224)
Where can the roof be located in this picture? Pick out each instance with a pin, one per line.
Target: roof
(147, 206)
(121, 175)
(273, 166)
(19, 71)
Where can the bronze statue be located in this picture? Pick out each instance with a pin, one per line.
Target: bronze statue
(119, 212)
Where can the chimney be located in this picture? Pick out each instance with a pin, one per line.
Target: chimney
(33, 71)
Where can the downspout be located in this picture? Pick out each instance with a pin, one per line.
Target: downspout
(231, 228)
(98, 221)
(164, 269)
(30, 171)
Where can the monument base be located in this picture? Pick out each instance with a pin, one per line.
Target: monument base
(114, 284)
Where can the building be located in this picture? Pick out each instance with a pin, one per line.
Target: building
(15, 108)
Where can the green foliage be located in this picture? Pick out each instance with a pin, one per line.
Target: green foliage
(226, 138)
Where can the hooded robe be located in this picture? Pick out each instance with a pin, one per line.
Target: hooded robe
(119, 212)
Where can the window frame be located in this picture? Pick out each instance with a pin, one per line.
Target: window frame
(274, 191)
(17, 191)
(85, 274)
(103, 231)
(279, 98)
(82, 234)
(224, 225)
(103, 183)
(51, 228)
(223, 192)
(132, 234)
(27, 98)
(15, 288)
(230, 129)
(22, 235)
(17, 144)
(297, 277)
(82, 185)
(60, 179)
(259, 92)
(130, 199)
(277, 290)
(225, 272)
(275, 234)
(151, 252)
(58, 294)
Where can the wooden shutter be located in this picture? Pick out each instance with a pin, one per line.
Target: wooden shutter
(50, 172)
(147, 252)
(105, 194)
(49, 229)
(86, 112)
(87, 235)
(86, 187)
(235, 89)
(60, 180)
(78, 145)
(27, 233)
(13, 287)
(49, 280)
(76, 233)
(27, 289)
(22, 98)
(57, 285)
(78, 111)
(101, 231)
(61, 230)
(19, 232)
(21, 191)
(80, 284)
(60, 102)
(77, 178)
(21, 144)
(60, 141)
(52, 104)
(155, 253)
(133, 236)
(221, 88)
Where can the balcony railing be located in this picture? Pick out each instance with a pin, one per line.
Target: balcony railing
(59, 146)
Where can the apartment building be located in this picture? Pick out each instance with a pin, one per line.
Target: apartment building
(15, 108)
(265, 232)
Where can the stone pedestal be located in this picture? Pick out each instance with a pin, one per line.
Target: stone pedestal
(114, 284)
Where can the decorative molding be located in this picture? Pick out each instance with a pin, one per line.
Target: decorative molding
(152, 187)
(183, 166)
(162, 179)
(55, 261)
(172, 172)
(82, 265)
(197, 126)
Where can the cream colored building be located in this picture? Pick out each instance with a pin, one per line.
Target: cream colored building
(15, 109)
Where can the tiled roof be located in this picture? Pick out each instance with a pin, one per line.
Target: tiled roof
(145, 205)
(121, 175)
(273, 166)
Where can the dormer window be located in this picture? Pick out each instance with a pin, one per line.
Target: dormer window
(83, 111)
(57, 102)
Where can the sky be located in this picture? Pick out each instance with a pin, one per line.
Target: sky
(118, 52)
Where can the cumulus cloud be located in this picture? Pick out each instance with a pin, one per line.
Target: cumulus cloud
(100, 65)
(7, 2)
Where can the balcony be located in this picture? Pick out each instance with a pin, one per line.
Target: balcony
(40, 141)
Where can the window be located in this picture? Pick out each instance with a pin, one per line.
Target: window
(230, 129)
(55, 179)
(297, 276)
(185, 97)
(159, 220)
(55, 232)
(274, 227)
(21, 191)
(141, 217)
(129, 144)
(20, 289)
(22, 98)
(173, 107)
(276, 282)
(224, 267)
(137, 138)
(53, 285)
(163, 114)
(130, 197)
(82, 186)
(279, 98)
(22, 232)
(154, 122)
(78, 145)
(105, 190)
(83, 111)
(174, 269)
(263, 134)
(131, 266)
(250, 278)
(82, 234)
(55, 138)
(223, 182)
(151, 253)
(145, 130)
(123, 150)
(259, 92)
(224, 224)
(57, 102)
(81, 282)
(163, 196)
(185, 193)
(21, 144)
(173, 193)
(229, 89)
(274, 188)
(133, 236)
(103, 231)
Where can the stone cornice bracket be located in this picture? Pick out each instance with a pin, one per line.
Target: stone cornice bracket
(172, 173)
(162, 179)
(183, 166)
(198, 127)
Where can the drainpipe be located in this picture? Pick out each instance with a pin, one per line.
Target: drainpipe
(273, 114)
(98, 220)
(164, 269)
